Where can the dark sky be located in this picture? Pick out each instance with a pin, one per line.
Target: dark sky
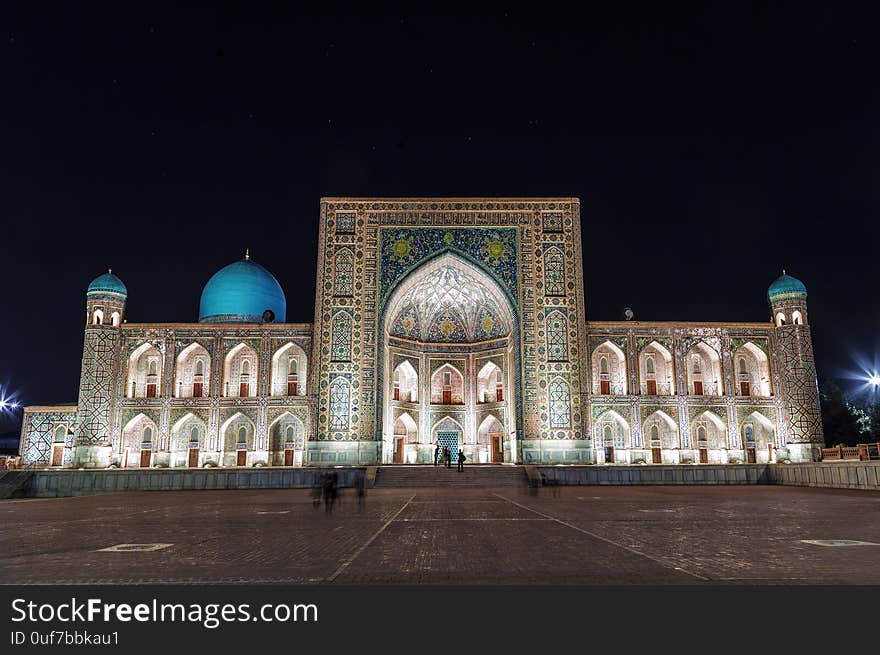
(711, 146)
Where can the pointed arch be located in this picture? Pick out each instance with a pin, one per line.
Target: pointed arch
(661, 430)
(193, 372)
(145, 366)
(405, 383)
(406, 427)
(240, 372)
(231, 429)
(708, 430)
(611, 429)
(656, 370)
(289, 370)
(139, 429)
(609, 369)
(703, 366)
(490, 383)
(287, 431)
(757, 431)
(751, 371)
(447, 386)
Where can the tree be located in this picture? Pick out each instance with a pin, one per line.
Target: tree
(842, 422)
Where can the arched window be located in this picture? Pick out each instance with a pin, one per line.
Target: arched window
(289, 433)
(697, 363)
(291, 366)
(554, 272)
(560, 404)
(152, 367)
(60, 434)
(655, 433)
(608, 434)
(242, 435)
(98, 317)
(148, 434)
(194, 434)
(340, 338)
(343, 278)
(743, 367)
(603, 366)
(339, 404)
(557, 338)
(200, 367)
(649, 365)
(114, 319)
(701, 433)
(796, 318)
(780, 319)
(246, 367)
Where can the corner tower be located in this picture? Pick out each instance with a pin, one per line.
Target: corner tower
(105, 309)
(797, 369)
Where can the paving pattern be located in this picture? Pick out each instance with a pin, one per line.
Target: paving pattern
(568, 535)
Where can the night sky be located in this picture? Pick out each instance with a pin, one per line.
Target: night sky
(711, 146)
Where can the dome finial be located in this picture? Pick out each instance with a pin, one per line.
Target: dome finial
(247, 254)
(109, 269)
(783, 271)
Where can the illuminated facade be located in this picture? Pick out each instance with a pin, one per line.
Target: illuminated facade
(457, 322)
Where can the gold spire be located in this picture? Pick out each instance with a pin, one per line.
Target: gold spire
(109, 270)
(247, 254)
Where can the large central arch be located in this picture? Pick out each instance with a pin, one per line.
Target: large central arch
(448, 314)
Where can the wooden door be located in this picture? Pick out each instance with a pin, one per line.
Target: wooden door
(744, 388)
(447, 396)
(605, 387)
(145, 458)
(396, 392)
(198, 389)
(193, 458)
(497, 452)
(398, 451)
(242, 458)
(656, 456)
(288, 457)
(499, 394)
(698, 388)
(652, 387)
(609, 454)
(151, 390)
(57, 454)
(750, 455)
(292, 388)
(244, 390)
(704, 455)
(770, 452)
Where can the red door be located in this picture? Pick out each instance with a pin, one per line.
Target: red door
(656, 456)
(244, 390)
(396, 392)
(288, 457)
(652, 387)
(447, 396)
(605, 387)
(145, 458)
(398, 451)
(744, 389)
(698, 388)
(193, 457)
(499, 394)
(57, 454)
(704, 455)
(242, 458)
(497, 453)
(151, 390)
(292, 388)
(198, 389)
(750, 455)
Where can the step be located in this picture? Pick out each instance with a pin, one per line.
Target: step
(440, 476)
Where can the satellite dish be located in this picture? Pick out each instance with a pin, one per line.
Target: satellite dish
(628, 313)
(268, 316)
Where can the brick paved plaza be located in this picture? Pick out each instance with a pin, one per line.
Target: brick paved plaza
(570, 535)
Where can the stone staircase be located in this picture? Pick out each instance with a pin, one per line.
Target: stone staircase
(474, 475)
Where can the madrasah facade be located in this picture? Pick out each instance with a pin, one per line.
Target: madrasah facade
(451, 322)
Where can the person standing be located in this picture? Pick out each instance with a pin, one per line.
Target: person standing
(461, 459)
(447, 456)
(436, 453)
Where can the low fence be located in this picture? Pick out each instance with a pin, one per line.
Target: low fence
(863, 452)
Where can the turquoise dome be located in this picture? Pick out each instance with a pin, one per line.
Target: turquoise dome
(240, 293)
(107, 285)
(786, 285)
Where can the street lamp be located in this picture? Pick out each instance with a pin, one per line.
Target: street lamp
(874, 380)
